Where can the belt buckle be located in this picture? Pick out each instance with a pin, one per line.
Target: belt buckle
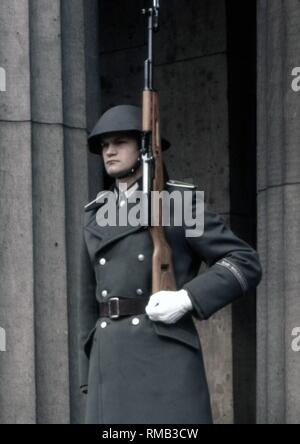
(117, 315)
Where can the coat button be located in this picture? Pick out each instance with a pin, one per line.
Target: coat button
(103, 324)
(102, 261)
(135, 321)
(139, 291)
(104, 293)
(141, 257)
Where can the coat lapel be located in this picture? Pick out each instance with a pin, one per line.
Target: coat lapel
(106, 235)
(101, 236)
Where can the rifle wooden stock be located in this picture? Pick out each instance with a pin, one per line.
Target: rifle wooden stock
(163, 277)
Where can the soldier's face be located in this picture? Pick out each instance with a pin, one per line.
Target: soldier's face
(120, 152)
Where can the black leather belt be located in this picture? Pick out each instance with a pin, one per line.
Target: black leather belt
(117, 307)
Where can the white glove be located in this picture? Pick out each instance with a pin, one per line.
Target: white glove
(168, 306)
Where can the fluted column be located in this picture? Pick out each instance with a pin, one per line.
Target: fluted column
(278, 391)
(51, 326)
(76, 100)
(45, 178)
(17, 363)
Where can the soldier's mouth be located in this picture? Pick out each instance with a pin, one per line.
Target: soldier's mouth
(112, 161)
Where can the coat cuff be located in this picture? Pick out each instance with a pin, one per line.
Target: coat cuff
(197, 313)
(213, 290)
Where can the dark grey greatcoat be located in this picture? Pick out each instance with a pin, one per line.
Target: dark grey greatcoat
(145, 372)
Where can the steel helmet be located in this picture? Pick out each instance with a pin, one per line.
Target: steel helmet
(118, 118)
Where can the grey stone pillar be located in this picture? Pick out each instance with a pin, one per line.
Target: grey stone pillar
(44, 176)
(76, 170)
(17, 364)
(51, 326)
(278, 391)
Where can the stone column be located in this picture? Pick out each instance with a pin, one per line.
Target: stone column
(44, 175)
(75, 101)
(51, 325)
(278, 391)
(17, 363)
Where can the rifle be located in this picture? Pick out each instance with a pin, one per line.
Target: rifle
(163, 277)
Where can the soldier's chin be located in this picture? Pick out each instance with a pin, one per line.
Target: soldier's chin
(116, 174)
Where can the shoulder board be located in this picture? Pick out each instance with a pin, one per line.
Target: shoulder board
(96, 203)
(178, 183)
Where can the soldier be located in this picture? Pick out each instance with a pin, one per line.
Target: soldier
(140, 355)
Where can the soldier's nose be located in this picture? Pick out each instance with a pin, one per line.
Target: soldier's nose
(111, 149)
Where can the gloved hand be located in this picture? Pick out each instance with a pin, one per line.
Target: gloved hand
(168, 306)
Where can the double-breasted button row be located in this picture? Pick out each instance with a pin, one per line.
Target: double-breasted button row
(104, 293)
(134, 321)
(140, 257)
(102, 262)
